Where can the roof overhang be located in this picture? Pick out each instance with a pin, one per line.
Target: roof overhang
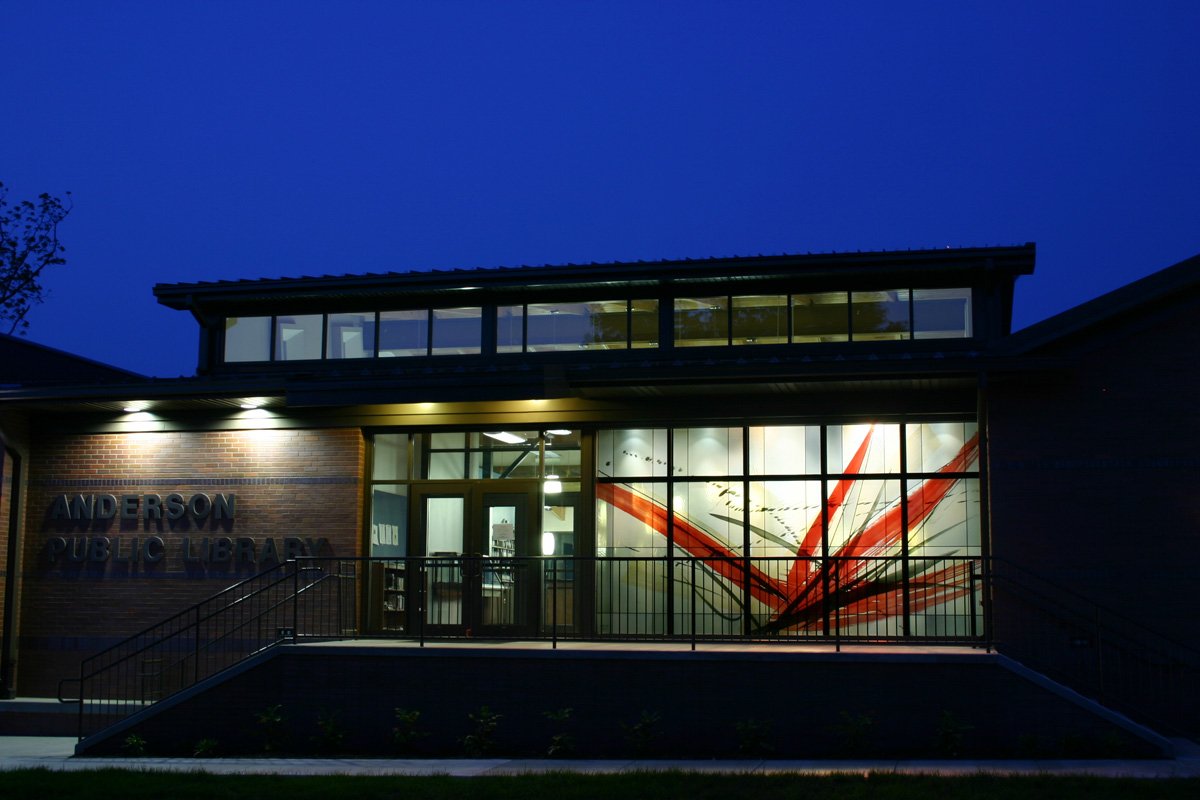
(917, 266)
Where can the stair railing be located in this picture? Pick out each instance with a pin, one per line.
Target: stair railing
(1099, 652)
(299, 599)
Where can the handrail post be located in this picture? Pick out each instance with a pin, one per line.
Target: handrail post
(338, 622)
(826, 601)
(196, 649)
(989, 589)
(837, 605)
(295, 601)
(971, 607)
(82, 700)
(693, 608)
(422, 599)
(554, 610)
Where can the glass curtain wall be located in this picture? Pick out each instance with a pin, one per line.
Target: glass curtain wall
(857, 530)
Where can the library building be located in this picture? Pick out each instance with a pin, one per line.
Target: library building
(469, 487)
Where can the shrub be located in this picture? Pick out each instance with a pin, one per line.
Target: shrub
(854, 733)
(205, 748)
(950, 734)
(270, 722)
(642, 736)
(134, 746)
(480, 741)
(331, 736)
(754, 737)
(562, 744)
(407, 733)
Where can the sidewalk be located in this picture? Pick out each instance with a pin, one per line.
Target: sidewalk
(52, 752)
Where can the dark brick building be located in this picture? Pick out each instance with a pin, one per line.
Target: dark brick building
(799, 449)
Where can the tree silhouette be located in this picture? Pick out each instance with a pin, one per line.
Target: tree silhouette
(28, 245)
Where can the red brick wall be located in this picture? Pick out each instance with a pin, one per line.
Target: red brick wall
(305, 484)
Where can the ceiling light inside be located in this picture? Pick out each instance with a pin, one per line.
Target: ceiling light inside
(506, 437)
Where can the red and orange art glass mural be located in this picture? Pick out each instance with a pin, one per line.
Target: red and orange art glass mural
(865, 546)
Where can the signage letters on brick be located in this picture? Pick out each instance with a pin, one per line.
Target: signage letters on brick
(153, 508)
(174, 506)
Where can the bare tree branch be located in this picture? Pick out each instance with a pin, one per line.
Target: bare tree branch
(29, 244)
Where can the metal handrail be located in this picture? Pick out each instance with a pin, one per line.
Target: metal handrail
(191, 610)
(840, 600)
(860, 581)
(1097, 651)
(1136, 632)
(111, 684)
(213, 643)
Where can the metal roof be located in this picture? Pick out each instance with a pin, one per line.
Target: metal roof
(1169, 285)
(26, 363)
(1013, 260)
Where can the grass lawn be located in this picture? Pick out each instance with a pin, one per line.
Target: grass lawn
(42, 784)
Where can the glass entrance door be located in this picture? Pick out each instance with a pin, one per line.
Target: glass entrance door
(478, 577)
(443, 521)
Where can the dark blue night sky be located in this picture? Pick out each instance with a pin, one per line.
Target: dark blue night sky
(224, 140)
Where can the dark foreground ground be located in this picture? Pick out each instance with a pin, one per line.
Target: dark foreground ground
(130, 785)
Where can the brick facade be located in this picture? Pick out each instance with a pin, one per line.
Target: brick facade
(1094, 468)
(288, 488)
(1091, 459)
